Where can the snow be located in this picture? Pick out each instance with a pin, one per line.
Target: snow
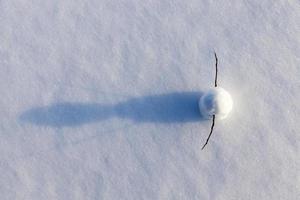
(99, 99)
(216, 102)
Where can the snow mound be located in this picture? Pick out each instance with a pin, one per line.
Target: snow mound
(216, 102)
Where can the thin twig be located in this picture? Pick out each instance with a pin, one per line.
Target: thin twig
(211, 131)
(216, 76)
(213, 119)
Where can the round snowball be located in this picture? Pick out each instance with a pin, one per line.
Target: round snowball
(216, 102)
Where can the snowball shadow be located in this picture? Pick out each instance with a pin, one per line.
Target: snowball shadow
(66, 114)
(177, 107)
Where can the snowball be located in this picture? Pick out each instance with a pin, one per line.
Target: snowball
(216, 102)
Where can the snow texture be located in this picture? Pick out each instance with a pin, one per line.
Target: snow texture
(99, 99)
(216, 102)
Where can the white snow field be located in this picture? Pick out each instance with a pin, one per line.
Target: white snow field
(99, 99)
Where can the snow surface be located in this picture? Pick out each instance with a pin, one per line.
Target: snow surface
(99, 99)
(216, 101)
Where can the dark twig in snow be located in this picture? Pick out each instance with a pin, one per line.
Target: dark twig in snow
(213, 119)
(211, 131)
(216, 76)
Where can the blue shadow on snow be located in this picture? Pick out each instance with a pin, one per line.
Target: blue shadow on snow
(177, 107)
